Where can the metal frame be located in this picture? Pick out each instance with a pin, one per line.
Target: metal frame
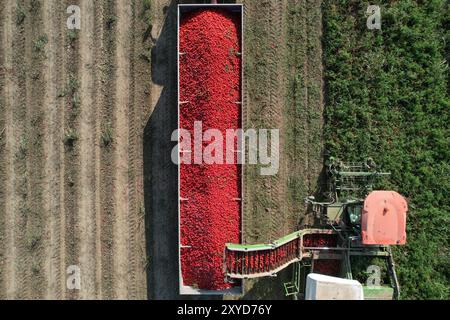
(183, 8)
(275, 245)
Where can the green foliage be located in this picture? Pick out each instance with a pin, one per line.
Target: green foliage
(34, 6)
(73, 84)
(387, 94)
(20, 14)
(72, 35)
(107, 135)
(40, 43)
(75, 101)
(33, 239)
(297, 111)
(146, 13)
(70, 137)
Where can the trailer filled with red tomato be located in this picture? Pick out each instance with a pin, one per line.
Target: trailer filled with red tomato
(209, 96)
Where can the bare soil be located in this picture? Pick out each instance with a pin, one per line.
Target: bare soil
(86, 119)
(74, 202)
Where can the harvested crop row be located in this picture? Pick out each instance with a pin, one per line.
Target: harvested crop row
(210, 78)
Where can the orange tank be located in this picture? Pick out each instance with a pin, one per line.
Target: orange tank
(383, 219)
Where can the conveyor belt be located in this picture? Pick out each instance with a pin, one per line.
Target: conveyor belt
(261, 260)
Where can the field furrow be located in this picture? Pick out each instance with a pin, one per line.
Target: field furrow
(9, 91)
(3, 154)
(59, 251)
(53, 70)
(71, 153)
(138, 87)
(87, 144)
(121, 165)
(98, 102)
(277, 102)
(22, 51)
(108, 91)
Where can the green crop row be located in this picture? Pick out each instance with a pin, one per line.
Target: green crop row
(387, 97)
